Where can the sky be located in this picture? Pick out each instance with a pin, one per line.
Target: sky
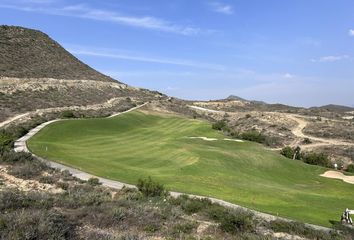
(296, 52)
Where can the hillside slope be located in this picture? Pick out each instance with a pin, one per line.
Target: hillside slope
(27, 53)
(37, 73)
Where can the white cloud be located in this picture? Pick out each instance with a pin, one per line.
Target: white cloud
(222, 8)
(288, 75)
(84, 11)
(331, 58)
(113, 53)
(351, 32)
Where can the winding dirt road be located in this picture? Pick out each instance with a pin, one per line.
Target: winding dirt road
(298, 132)
(97, 106)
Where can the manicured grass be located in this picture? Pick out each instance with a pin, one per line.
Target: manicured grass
(136, 145)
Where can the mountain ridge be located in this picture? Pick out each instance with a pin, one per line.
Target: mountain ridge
(29, 53)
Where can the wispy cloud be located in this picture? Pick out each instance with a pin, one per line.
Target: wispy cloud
(113, 53)
(351, 32)
(84, 11)
(331, 58)
(222, 8)
(288, 76)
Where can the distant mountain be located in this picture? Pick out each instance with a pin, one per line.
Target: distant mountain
(27, 53)
(237, 98)
(334, 108)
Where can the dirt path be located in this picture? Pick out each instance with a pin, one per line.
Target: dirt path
(298, 131)
(97, 106)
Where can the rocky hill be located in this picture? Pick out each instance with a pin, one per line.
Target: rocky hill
(37, 73)
(27, 53)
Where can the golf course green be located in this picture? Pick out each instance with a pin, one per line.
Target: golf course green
(140, 144)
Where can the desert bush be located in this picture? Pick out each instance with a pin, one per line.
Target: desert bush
(300, 229)
(150, 188)
(28, 169)
(320, 159)
(10, 156)
(307, 141)
(186, 227)
(83, 195)
(12, 199)
(195, 205)
(63, 185)
(35, 224)
(235, 221)
(93, 181)
(47, 179)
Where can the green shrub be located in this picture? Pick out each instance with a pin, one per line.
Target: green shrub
(220, 126)
(290, 152)
(93, 181)
(287, 152)
(234, 221)
(350, 168)
(67, 114)
(320, 159)
(150, 188)
(253, 136)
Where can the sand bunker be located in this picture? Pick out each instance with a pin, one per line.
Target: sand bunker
(234, 140)
(338, 175)
(215, 139)
(205, 138)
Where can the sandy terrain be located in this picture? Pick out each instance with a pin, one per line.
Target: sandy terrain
(338, 175)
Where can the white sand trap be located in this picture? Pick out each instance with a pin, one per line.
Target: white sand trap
(338, 175)
(205, 138)
(233, 140)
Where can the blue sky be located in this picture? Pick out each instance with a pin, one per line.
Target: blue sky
(297, 52)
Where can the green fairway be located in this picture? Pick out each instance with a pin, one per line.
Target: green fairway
(136, 145)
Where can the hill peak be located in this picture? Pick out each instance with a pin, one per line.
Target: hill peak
(28, 53)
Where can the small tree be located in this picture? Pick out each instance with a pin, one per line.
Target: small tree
(350, 168)
(287, 152)
(150, 188)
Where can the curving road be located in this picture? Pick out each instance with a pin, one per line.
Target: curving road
(108, 103)
(298, 131)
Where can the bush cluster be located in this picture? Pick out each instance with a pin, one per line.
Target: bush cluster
(300, 229)
(149, 188)
(291, 153)
(320, 159)
(220, 126)
(312, 158)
